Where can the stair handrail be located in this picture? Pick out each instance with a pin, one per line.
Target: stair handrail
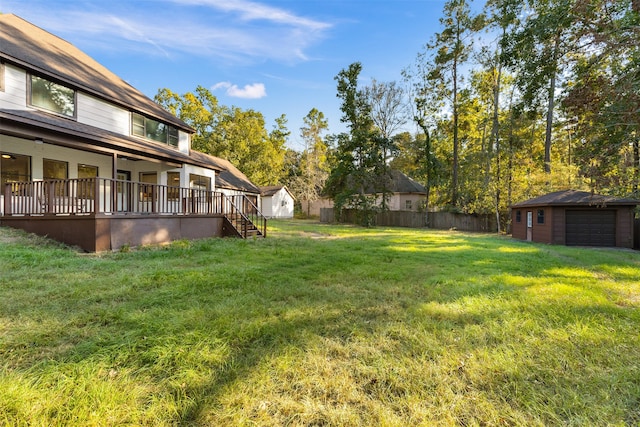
(254, 217)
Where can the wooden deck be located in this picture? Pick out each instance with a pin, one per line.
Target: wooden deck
(101, 214)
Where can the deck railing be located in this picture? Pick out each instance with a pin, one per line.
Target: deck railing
(90, 196)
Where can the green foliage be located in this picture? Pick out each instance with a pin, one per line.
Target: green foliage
(320, 325)
(307, 185)
(360, 171)
(237, 135)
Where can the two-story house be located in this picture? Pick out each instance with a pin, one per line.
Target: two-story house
(87, 159)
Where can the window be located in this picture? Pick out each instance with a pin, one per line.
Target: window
(146, 191)
(173, 182)
(14, 168)
(52, 97)
(540, 216)
(86, 171)
(408, 205)
(86, 189)
(154, 130)
(518, 216)
(1, 76)
(199, 182)
(55, 169)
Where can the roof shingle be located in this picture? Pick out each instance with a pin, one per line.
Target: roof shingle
(575, 197)
(39, 51)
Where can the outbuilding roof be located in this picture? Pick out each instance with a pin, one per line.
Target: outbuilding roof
(576, 198)
(38, 51)
(271, 190)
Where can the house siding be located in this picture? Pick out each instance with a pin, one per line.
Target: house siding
(14, 95)
(272, 206)
(417, 201)
(95, 112)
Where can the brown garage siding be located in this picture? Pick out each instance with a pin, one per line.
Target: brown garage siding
(519, 229)
(559, 225)
(542, 232)
(624, 227)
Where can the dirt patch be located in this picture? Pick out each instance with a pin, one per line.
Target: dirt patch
(8, 236)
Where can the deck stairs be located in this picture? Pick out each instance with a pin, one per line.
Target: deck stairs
(244, 218)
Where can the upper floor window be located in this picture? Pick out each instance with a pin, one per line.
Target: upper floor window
(408, 205)
(52, 96)
(152, 129)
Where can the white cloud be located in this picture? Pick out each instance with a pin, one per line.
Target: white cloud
(253, 11)
(230, 30)
(252, 91)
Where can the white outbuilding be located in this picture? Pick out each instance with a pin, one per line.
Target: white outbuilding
(276, 201)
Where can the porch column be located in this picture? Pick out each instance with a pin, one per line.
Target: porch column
(114, 186)
(114, 166)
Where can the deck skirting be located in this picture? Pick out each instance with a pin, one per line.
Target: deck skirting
(99, 232)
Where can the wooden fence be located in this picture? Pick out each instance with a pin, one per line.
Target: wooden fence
(437, 220)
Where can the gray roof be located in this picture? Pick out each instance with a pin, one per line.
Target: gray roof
(576, 198)
(231, 177)
(401, 183)
(38, 51)
(398, 182)
(270, 190)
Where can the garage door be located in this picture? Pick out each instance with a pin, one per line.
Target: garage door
(593, 227)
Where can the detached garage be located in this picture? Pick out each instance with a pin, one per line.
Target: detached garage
(575, 218)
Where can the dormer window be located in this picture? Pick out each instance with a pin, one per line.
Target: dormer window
(52, 97)
(154, 130)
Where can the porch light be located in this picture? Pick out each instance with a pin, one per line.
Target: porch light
(38, 141)
(6, 156)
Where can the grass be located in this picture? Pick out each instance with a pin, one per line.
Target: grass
(320, 325)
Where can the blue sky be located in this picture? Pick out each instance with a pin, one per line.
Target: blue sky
(273, 56)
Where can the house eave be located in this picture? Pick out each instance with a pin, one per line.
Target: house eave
(19, 125)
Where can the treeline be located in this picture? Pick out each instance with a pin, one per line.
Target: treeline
(523, 98)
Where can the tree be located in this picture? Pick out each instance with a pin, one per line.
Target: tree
(200, 110)
(359, 153)
(452, 47)
(388, 113)
(428, 95)
(537, 52)
(603, 96)
(314, 168)
(237, 135)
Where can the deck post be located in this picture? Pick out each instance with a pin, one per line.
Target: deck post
(7, 198)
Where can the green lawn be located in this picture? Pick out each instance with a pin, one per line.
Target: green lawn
(320, 325)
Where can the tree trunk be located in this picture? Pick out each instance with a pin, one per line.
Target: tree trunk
(552, 95)
(495, 131)
(454, 176)
(636, 163)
